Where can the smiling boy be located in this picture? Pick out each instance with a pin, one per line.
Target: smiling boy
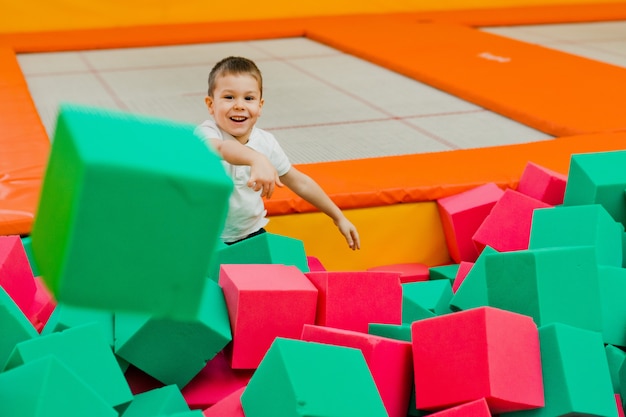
(252, 157)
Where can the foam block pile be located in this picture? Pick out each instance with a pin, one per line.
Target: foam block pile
(122, 302)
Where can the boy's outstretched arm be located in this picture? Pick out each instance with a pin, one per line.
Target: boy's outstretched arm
(263, 175)
(306, 188)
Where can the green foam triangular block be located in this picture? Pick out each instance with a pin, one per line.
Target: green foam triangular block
(473, 290)
(15, 326)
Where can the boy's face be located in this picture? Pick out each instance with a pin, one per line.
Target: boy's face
(236, 104)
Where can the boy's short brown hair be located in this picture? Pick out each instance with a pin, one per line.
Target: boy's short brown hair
(234, 65)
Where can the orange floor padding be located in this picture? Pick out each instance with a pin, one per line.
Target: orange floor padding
(552, 91)
(580, 100)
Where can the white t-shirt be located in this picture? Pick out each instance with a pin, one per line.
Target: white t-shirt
(246, 211)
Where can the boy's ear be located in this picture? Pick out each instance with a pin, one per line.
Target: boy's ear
(208, 100)
(261, 103)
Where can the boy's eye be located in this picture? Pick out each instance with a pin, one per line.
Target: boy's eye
(250, 98)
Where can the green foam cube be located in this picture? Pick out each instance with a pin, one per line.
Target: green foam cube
(15, 326)
(612, 282)
(298, 378)
(65, 316)
(443, 272)
(472, 292)
(47, 387)
(85, 351)
(584, 225)
(576, 377)
(266, 248)
(392, 331)
(173, 351)
(598, 178)
(129, 213)
(615, 358)
(158, 402)
(425, 299)
(556, 285)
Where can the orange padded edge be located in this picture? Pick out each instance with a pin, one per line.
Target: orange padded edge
(424, 177)
(552, 91)
(24, 148)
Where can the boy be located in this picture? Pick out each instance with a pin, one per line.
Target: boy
(252, 157)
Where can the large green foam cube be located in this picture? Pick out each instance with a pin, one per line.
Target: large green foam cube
(47, 387)
(266, 248)
(15, 327)
(556, 285)
(129, 213)
(584, 225)
(576, 376)
(598, 178)
(85, 351)
(173, 351)
(298, 378)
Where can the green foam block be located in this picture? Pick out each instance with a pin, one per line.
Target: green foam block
(46, 387)
(424, 299)
(575, 374)
(130, 212)
(15, 326)
(84, 350)
(173, 351)
(298, 378)
(585, 225)
(557, 285)
(615, 358)
(158, 402)
(266, 248)
(65, 316)
(612, 282)
(472, 292)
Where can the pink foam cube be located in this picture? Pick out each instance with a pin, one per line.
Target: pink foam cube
(461, 273)
(42, 306)
(477, 408)
(314, 264)
(389, 361)
(353, 300)
(478, 353)
(215, 381)
(409, 272)
(264, 301)
(16, 275)
(461, 215)
(507, 227)
(543, 184)
(229, 406)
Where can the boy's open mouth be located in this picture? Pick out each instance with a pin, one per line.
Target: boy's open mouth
(238, 118)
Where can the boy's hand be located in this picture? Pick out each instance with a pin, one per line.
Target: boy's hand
(348, 230)
(263, 176)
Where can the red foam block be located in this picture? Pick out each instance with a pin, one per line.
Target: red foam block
(353, 300)
(216, 381)
(42, 306)
(264, 301)
(543, 184)
(314, 264)
(409, 272)
(389, 361)
(230, 406)
(507, 227)
(16, 275)
(478, 353)
(478, 408)
(618, 403)
(461, 273)
(461, 215)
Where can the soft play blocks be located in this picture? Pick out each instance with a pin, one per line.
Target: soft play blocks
(612, 283)
(598, 178)
(214, 382)
(389, 361)
(47, 387)
(312, 379)
(65, 316)
(16, 276)
(173, 351)
(42, 306)
(351, 300)
(264, 301)
(575, 374)
(556, 285)
(158, 402)
(461, 215)
(15, 326)
(425, 299)
(476, 408)
(479, 353)
(507, 227)
(584, 225)
(84, 350)
(615, 358)
(409, 272)
(471, 291)
(443, 272)
(229, 406)
(543, 184)
(392, 331)
(123, 200)
(266, 248)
